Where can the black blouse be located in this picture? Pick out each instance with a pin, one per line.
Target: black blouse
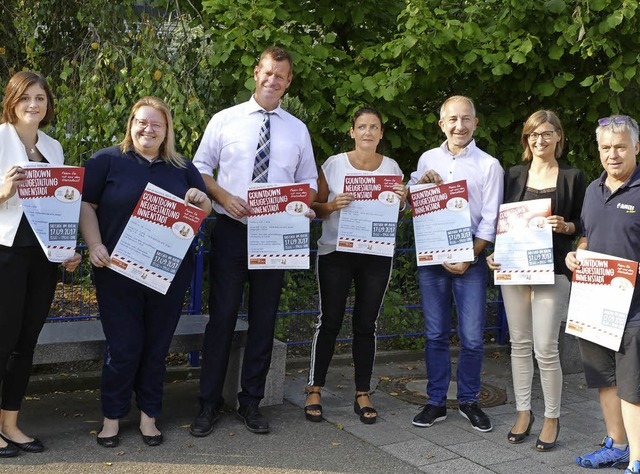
(569, 194)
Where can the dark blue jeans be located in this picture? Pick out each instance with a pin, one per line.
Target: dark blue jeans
(437, 288)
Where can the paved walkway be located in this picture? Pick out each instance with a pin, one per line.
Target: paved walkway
(67, 423)
(453, 446)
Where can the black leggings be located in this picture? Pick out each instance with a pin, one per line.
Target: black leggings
(27, 286)
(336, 271)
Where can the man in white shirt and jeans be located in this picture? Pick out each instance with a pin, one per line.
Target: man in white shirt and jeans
(456, 159)
(229, 145)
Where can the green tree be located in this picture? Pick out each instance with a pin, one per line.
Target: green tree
(515, 57)
(511, 57)
(401, 56)
(325, 40)
(39, 34)
(100, 58)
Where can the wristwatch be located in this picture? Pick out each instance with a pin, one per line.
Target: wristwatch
(567, 227)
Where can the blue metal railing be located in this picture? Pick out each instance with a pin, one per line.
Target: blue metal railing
(401, 315)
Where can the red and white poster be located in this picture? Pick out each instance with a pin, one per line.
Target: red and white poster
(601, 292)
(156, 239)
(278, 226)
(442, 223)
(524, 244)
(369, 223)
(51, 198)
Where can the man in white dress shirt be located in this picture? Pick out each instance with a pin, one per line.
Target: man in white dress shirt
(456, 159)
(229, 147)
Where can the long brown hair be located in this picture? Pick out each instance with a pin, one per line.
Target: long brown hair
(16, 86)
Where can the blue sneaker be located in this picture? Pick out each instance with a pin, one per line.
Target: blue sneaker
(633, 468)
(606, 456)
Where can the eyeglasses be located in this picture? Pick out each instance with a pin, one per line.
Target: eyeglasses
(603, 122)
(533, 136)
(145, 123)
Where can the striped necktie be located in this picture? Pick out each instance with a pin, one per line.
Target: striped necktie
(261, 165)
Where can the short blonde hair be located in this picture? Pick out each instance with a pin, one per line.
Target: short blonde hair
(167, 148)
(534, 121)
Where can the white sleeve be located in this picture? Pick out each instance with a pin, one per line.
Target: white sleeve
(207, 157)
(307, 172)
(492, 194)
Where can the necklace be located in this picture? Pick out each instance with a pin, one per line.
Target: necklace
(32, 151)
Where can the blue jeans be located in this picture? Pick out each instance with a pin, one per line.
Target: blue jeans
(437, 287)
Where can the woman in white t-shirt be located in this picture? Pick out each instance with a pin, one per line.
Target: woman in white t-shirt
(337, 270)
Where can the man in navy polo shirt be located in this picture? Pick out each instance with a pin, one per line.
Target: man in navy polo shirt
(611, 223)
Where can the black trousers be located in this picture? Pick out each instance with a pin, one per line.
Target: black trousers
(336, 271)
(27, 286)
(138, 324)
(228, 274)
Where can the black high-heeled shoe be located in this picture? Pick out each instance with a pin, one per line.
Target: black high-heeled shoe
(543, 447)
(517, 438)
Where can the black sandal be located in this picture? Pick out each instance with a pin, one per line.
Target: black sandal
(363, 411)
(314, 407)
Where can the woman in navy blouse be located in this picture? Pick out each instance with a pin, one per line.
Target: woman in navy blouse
(138, 322)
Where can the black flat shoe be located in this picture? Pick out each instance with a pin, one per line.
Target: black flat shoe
(34, 446)
(152, 440)
(314, 407)
(9, 451)
(517, 438)
(108, 442)
(363, 411)
(543, 447)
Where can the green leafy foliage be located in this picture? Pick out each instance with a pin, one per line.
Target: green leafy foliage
(99, 59)
(403, 57)
(511, 57)
(112, 79)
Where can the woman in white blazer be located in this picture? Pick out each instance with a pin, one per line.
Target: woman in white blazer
(27, 279)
